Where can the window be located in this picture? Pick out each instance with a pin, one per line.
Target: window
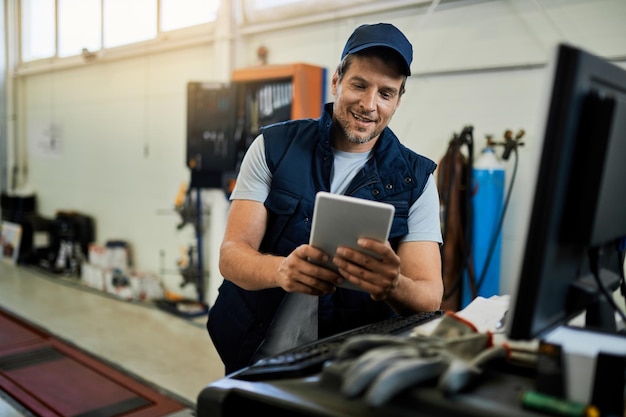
(38, 29)
(129, 21)
(79, 26)
(177, 14)
(97, 24)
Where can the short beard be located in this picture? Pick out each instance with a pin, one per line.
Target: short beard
(352, 138)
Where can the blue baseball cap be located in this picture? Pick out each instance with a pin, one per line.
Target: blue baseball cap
(380, 34)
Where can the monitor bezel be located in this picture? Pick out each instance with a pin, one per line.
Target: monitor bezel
(552, 262)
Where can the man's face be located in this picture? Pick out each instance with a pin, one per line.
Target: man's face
(365, 100)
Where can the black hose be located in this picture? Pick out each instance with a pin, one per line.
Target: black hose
(495, 237)
(464, 139)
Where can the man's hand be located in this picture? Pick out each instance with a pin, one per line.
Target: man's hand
(379, 277)
(297, 274)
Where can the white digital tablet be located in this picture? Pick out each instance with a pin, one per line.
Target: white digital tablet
(340, 220)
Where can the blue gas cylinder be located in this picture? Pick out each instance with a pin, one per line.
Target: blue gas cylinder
(487, 202)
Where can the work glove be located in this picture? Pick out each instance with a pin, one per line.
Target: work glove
(378, 367)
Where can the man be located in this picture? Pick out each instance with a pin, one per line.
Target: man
(272, 297)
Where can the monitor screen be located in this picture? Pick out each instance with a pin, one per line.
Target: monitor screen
(579, 206)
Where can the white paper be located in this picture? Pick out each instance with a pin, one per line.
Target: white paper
(44, 140)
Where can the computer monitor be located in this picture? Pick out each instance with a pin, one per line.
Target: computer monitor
(579, 212)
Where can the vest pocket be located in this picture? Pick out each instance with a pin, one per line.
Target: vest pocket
(281, 206)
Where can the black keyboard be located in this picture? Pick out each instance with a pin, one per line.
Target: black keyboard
(309, 358)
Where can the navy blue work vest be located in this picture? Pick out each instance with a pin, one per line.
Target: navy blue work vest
(299, 155)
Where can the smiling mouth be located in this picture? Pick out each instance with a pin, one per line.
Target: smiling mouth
(361, 118)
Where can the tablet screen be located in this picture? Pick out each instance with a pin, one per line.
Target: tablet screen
(340, 220)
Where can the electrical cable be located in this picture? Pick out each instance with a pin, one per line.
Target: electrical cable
(428, 14)
(469, 208)
(621, 264)
(595, 270)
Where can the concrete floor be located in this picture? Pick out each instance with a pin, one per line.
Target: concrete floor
(170, 352)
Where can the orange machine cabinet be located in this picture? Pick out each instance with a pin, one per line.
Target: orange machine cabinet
(273, 93)
(307, 80)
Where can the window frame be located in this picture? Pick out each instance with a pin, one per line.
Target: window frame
(163, 41)
(293, 14)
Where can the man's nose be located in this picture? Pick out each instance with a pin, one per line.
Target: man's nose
(368, 100)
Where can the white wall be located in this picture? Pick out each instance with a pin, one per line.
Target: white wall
(479, 63)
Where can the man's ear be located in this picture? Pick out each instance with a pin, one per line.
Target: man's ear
(334, 83)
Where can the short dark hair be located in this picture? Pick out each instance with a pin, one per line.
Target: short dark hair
(385, 54)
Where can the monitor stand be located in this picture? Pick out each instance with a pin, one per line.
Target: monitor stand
(585, 295)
